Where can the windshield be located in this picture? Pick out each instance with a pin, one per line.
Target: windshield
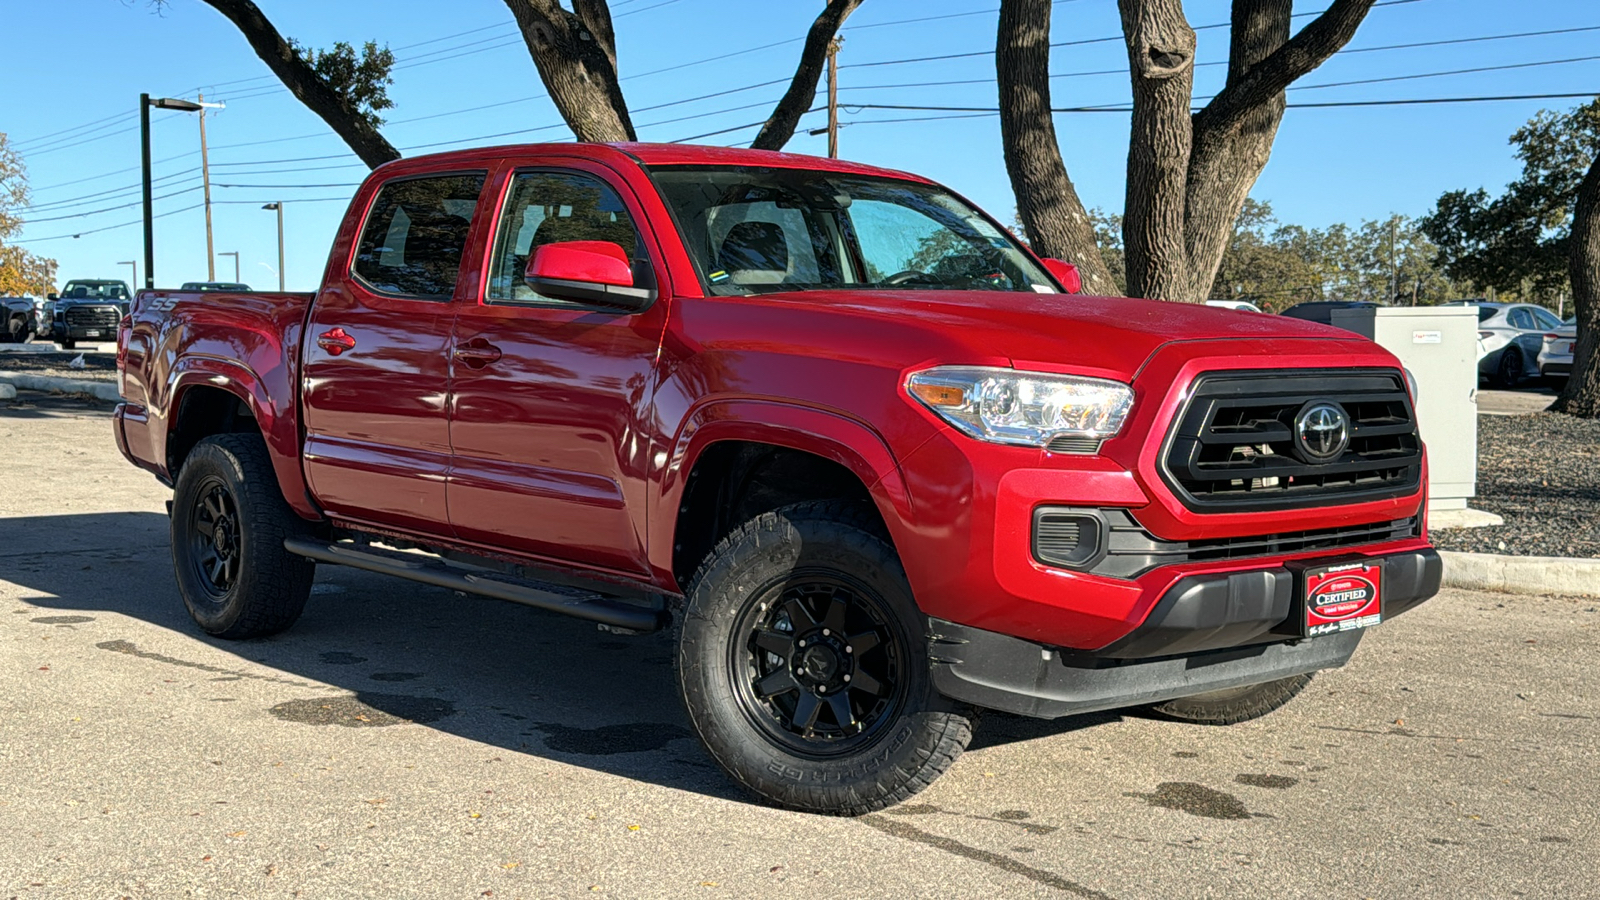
(94, 290)
(756, 230)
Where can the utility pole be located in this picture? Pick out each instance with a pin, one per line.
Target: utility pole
(1394, 264)
(833, 98)
(205, 178)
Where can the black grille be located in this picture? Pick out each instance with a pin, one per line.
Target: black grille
(1233, 446)
(1132, 551)
(1070, 444)
(1066, 537)
(94, 317)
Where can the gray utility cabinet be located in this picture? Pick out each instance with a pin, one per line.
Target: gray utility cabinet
(1439, 345)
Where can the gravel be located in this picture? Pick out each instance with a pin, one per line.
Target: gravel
(1541, 473)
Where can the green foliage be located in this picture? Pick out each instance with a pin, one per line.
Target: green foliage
(21, 272)
(362, 82)
(1108, 237)
(1276, 265)
(1517, 242)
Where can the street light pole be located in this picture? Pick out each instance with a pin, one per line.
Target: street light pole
(144, 148)
(235, 255)
(135, 264)
(205, 179)
(278, 205)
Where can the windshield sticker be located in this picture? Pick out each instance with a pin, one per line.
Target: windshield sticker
(717, 277)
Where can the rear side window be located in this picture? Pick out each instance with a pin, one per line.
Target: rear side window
(1485, 313)
(416, 233)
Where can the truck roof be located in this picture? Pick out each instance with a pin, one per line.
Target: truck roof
(661, 155)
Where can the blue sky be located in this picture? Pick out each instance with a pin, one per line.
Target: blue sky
(89, 60)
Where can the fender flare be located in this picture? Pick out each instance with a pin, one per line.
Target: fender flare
(280, 428)
(822, 432)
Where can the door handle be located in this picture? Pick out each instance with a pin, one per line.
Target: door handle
(336, 341)
(477, 353)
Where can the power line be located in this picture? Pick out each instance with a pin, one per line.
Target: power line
(1525, 65)
(95, 212)
(1123, 108)
(57, 237)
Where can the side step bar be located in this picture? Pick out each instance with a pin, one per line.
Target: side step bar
(594, 607)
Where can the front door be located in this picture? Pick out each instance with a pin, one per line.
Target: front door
(376, 371)
(550, 399)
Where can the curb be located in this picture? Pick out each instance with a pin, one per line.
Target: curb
(100, 390)
(1521, 574)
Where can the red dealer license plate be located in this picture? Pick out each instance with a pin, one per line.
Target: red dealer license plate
(1342, 597)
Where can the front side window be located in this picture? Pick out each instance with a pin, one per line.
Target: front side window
(416, 234)
(1547, 320)
(755, 230)
(552, 207)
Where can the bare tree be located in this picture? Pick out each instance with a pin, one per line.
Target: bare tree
(803, 87)
(1188, 172)
(347, 108)
(1047, 203)
(576, 55)
(1581, 397)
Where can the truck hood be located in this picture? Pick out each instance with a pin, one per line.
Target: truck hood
(1113, 335)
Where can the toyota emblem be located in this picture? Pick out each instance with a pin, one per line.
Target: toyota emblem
(1322, 431)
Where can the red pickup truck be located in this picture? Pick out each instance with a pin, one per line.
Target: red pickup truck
(873, 460)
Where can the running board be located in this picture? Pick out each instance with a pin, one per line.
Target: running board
(594, 607)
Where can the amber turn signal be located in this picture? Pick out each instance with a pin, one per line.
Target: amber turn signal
(939, 394)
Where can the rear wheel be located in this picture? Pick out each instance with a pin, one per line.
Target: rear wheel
(1233, 705)
(1509, 372)
(803, 662)
(229, 522)
(16, 331)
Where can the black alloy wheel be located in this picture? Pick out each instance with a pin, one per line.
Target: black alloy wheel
(1510, 368)
(214, 537)
(821, 671)
(804, 664)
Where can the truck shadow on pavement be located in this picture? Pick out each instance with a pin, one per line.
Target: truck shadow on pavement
(371, 651)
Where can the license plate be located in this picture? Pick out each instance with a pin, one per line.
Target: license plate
(1341, 597)
(1563, 348)
(92, 332)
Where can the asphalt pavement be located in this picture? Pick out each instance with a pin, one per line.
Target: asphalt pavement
(402, 741)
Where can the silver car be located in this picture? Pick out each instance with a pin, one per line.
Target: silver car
(1509, 339)
(1555, 356)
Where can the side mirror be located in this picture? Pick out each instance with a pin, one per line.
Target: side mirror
(51, 297)
(588, 272)
(1066, 273)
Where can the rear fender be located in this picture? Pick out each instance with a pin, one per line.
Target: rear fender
(278, 422)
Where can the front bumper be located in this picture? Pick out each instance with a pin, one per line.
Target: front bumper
(1015, 676)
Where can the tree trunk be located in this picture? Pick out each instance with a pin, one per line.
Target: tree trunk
(1225, 162)
(1233, 135)
(298, 76)
(1047, 204)
(803, 87)
(1581, 397)
(1161, 63)
(575, 53)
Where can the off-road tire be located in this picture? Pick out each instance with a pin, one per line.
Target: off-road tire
(1234, 705)
(269, 585)
(894, 753)
(1509, 372)
(16, 331)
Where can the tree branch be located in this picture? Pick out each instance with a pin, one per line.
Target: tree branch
(576, 56)
(1261, 82)
(1048, 206)
(302, 80)
(803, 87)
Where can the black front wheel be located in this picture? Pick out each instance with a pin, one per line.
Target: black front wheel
(229, 522)
(803, 662)
(68, 344)
(1509, 372)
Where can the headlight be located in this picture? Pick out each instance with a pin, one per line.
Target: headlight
(1011, 407)
(1411, 384)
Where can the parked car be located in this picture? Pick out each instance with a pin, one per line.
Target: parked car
(870, 456)
(231, 286)
(1511, 334)
(1322, 310)
(19, 322)
(87, 310)
(1242, 305)
(1555, 354)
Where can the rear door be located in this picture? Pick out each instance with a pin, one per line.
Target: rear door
(376, 372)
(550, 399)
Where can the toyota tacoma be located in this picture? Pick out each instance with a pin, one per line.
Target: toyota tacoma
(874, 463)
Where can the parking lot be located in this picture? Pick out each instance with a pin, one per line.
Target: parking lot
(403, 741)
